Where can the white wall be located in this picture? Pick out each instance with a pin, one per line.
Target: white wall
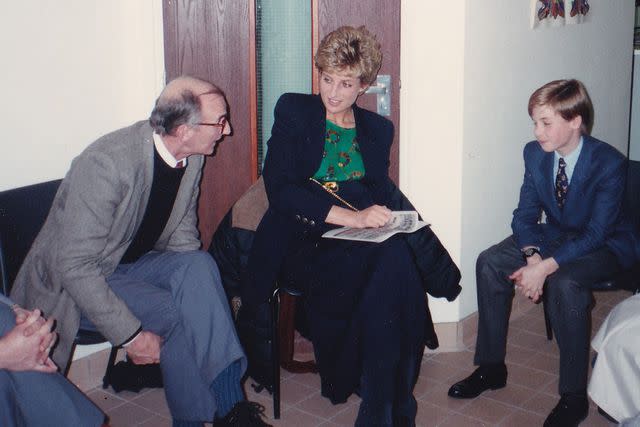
(75, 69)
(71, 71)
(432, 121)
(470, 98)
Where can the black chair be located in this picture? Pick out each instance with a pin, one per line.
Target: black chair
(628, 279)
(273, 348)
(283, 309)
(23, 212)
(268, 340)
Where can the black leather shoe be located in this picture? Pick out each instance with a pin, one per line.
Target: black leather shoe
(484, 378)
(569, 412)
(243, 414)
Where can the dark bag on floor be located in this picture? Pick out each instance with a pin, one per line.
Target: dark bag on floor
(126, 375)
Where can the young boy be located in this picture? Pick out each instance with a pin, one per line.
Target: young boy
(578, 182)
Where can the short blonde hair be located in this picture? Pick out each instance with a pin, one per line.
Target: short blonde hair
(352, 49)
(569, 98)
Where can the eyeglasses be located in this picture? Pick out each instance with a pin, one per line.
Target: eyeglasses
(220, 125)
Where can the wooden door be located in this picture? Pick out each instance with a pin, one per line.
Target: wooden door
(382, 18)
(214, 40)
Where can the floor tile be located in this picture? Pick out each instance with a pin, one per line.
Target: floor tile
(530, 394)
(438, 397)
(530, 341)
(105, 401)
(519, 355)
(320, 406)
(157, 421)
(458, 359)
(540, 403)
(310, 380)
(594, 419)
(430, 415)
(294, 417)
(528, 377)
(512, 394)
(154, 401)
(458, 420)
(521, 418)
(292, 392)
(440, 372)
(346, 417)
(424, 385)
(487, 410)
(545, 362)
(129, 415)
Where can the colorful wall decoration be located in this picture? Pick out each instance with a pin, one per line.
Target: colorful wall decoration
(553, 13)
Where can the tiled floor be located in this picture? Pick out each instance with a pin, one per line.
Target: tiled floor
(530, 394)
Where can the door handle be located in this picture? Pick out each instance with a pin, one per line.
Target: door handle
(382, 90)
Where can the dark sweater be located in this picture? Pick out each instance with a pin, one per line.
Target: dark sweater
(166, 181)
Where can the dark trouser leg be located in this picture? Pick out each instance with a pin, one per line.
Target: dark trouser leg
(495, 295)
(568, 298)
(392, 338)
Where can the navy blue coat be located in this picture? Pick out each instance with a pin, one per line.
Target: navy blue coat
(592, 215)
(294, 154)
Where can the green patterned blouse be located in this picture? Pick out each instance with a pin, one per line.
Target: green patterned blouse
(341, 159)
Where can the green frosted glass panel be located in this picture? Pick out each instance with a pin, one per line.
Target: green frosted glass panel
(284, 58)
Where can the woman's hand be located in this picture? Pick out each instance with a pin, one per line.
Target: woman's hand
(373, 217)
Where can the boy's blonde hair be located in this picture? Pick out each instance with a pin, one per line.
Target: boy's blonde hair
(569, 98)
(353, 49)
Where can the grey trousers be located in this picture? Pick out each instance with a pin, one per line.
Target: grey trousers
(179, 296)
(37, 399)
(568, 298)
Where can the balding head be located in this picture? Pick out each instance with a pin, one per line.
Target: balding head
(179, 103)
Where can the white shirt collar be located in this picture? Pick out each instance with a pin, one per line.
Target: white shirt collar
(570, 159)
(165, 154)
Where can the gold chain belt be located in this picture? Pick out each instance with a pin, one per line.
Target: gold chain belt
(331, 187)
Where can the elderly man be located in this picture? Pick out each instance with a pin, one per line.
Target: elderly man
(120, 251)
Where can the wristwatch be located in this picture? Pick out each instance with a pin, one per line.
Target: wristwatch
(529, 252)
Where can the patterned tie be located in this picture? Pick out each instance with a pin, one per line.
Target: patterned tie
(562, 183)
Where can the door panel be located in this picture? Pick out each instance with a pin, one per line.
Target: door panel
(382, 18)
(213, 40)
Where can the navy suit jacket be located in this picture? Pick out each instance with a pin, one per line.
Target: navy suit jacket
(295, 206)
(295, 152)
(592, 216)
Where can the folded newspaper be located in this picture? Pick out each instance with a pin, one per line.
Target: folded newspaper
(400, 222)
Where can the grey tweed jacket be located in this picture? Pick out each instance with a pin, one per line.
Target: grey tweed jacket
(95, 214)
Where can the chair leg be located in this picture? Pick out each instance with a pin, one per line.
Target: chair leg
(286, 330)
(106, 380)
(275, 353)
(65, 371)
(286, 327)
(547, 322)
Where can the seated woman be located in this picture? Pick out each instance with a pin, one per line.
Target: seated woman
(326, 166)
(616, 374)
